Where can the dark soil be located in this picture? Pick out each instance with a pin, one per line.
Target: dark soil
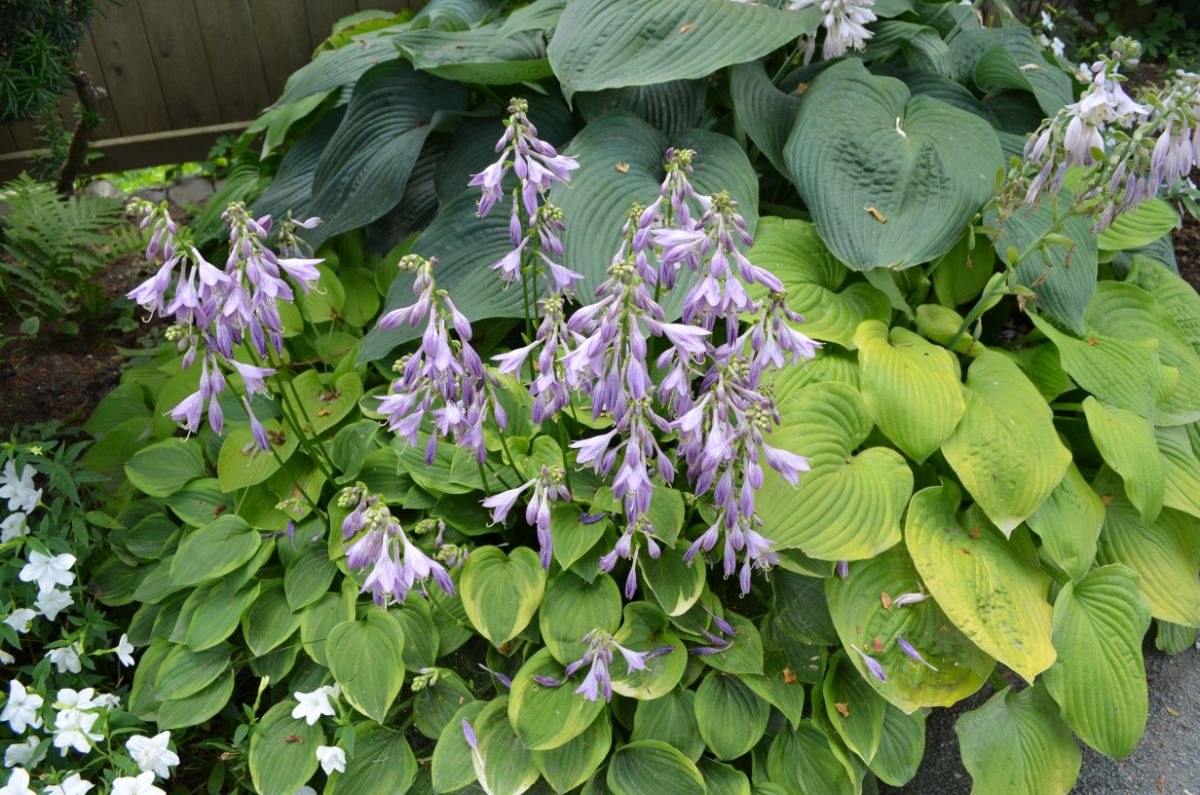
(1187, 250)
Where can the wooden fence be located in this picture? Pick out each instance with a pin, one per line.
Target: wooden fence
(180, 73)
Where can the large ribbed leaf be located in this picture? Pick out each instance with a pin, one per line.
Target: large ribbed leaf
(1182, 469)
(815, 281)
(1174, 294)
(613, 43)
(901, 747)
(802, 760)
(925, 167)
(1016, 744)
(1148, 222)
(671, 107)
(336, 68)
(1099, 679)
(649, 767)
(291, 188)
(912, 387)
(1005, 450)
(1069, 523)
(1126, 442)
(1008, 57)
(986, 588)
(763, 110)
(477, 55)
(848, 506)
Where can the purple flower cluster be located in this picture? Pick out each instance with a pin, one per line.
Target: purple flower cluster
(396, 565)
(217, 310)
(548, 487)
(599, 655)
(443, 381)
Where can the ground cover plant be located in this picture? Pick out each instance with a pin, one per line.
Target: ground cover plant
(601, 396)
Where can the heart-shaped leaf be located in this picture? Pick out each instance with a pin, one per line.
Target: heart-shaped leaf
(572, 608)
(1126, 442)
(546, 717)
(1174, 295)
(649, 767)
(1069, 523)
(367, 659)
(730, 717)
(501, 592)
(571, 764)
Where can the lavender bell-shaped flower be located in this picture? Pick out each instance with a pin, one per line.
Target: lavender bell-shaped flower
(597, 682)
(548, 487)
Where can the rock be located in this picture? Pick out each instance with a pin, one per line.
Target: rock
(102, 188)
(191, 191)
(152, 195)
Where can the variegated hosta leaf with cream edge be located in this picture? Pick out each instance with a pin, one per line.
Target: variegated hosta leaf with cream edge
(1181, 463)
(848, 505)
(861, 616)
(912, 387)
(1162, 552)
(1005, 449)
(923, 166)
(1069, 523)
(1099, 679)
(1127, 444)
(815, 281)
(992, 594)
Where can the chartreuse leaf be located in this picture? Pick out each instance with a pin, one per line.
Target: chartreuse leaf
(547, 717)
(507, 765)
(1126, 442)
(671, 719)
(213, 551)
(853, 708)
(1181, 489)
(571, 764)
(912, 387)
(452, 767)
(1173, 638)
(640, 44)
(367, 659)
(501, 592)
(1162, 553)
(1005, 450)
(801, 760)
(815, 281)
(1099, 679)
(1016, 744)
(1173, 294)
(649, 767)
(646, 628)
(901, 746)
(1141, 226)
(165, 467)
(240, 463)
(1069, 523)
(278, 764)
(994, 596)
(848, 505)
(383, 764)
(925, 167)
(730, 717)
(572, 608)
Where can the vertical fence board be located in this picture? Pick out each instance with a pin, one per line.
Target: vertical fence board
(178, 52)
(322, 14)
(90, 62)
(129, 73)
(7, 142)
(281, 27)
(233, 60)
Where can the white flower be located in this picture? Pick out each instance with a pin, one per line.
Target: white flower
(48, 570)
(66, 659)
(75, 699)
(19, 492)
(51, 603)
(845, 24)
(20, 753)
(1047, 22)
(311, 706)
(6, 658)
(107, 701)
(18, 781)
(142, 785)
(21, 709)
(1057, 47)
(331, 758)
(12, 527)
(125, 650)
(19, 619)
(152, 754)
(72, 785)
(306, 790)
(73, 729)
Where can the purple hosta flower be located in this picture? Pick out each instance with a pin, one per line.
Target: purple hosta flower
(721, 640)
(843, 569)
(678, 206)
(548, 487)
(549, 388)
(599, 655)
(872, 664)
(905, 599)
(397, 566)
(907, 648)
(536, 163)
(443, 380)
(501, 677)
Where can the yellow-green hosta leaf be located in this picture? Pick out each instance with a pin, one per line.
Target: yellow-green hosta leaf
(649, 767)
(861, 724)
(1016, 744)
(848, 506)
(1149, 221)
(994, 596)
(860, 618)
(1127, 444)
(912, 387)
(1069, 523)
(1005, 449)
(1176, 296)
(901, 746)
(502, 592)
(574, 607)
(1181, 464)
(507, 765)
(1099, 679)
(1041, 363)
(547, 717)
(814, 280)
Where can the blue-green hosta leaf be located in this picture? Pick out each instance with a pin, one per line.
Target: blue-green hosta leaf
(501, 592)
(341, 67)
(643, 43)
(766, 113)
(1016, 744)
(848, 506)
(986, 588)
(924, 175)
(476, 55)
(1069, 523)
(538, 15)
(1005, 450)
(1099, 679)
(671, 107)
(859, 615)
(1127, 444)
(815, 282)
(998, 58)
(649, 767)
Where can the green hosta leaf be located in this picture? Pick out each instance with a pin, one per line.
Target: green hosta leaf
(639, 44)
(308, 578)
(671, 107)
(646, 628)
(1149, 221)
(723, 779)
(1005, 450)
(670, 719)
(452, 766)
(213, 551)
(477, 55)
(508, 766)
(1127, 443)
(848, 505)
(901, 747)
(1181, 464)
(786, 665)
(574, 607)
(926, 174)
(538, 15)
(745, 653)
(547, 717)
(367, 658)
(814, 279)
(216, 614)
(1099, 679)
(649, 767)
(320, 618)
(997, 599)
(675, 583)
(240, 463)
(501, 592)
(766, 113)
(1016, 744)
(165, 467)
(1069, 523)
(1041, 363)
(383, 764)
(1009, 58)
(853, 708)
(200, 502)
(1174, 295)
(278, 764)
(185, 672)
(198, 707)
(960, 274)
(911, 387)
(435, 704)
(1174, 638)
(801, 760)
(269, 621)
(800, 607)
(324, 406)
(730, 717)
(571, 764)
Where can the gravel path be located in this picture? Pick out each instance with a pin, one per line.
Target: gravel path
(1167, 761)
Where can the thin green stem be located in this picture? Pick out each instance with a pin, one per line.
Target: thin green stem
(320, 460)
(483, 476)
(564, 442)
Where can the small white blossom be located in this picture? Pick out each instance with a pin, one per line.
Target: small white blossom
(51, 603)
(19, 619)
(19, 492)
(107, 701)
(142, 785)
(21, 709)
(48, 570)
(125, 650)
(1047, 22)
(75, 699)
(73, 729)
(311, 706)
(1057, 47)
(18, 781)
(845, 24)
(306, 790)
(65, 658)
(152, 754)
(13, 526)
(19, 754)
(72, 785)
(331, 758)
(6, 658)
